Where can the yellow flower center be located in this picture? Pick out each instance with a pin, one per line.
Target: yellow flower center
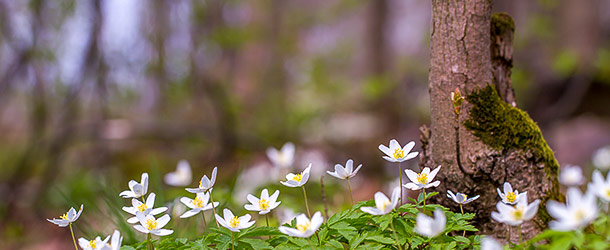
(200, 184)
(422, 178)
(399, 153)
(384, 204)
(64, 216)
(297, 177)
(511, 197)
(151, 224)
(608, 192)
(579, 215)
(263, 204)
(142, 208)
(198, 202)
(93, 244)
(234, 222)
(303, 227)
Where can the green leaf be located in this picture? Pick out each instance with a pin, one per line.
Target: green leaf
(334, 243)
(380, 239)
(256, 243)
(357, 239)
(461, 239)
(261, 231)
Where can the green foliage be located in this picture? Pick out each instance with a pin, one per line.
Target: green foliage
(595, 236)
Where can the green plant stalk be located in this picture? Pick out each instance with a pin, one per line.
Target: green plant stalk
(394, 233)
(519, 229)
(351, 196)
(72, 233)
(508, 235)
(267, 218)
(306, 205)
(311, 244)
(232, 240)
(462, 210)
(205, 223)
(400, 184)
(148, 241)
(213, 208)
(424, 197)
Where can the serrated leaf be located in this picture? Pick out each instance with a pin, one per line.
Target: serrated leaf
(380, 239)
(357, 239)
(261, 231)
(256, 243)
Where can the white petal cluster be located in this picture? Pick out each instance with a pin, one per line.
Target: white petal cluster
(304, 227)
(571, 176)
(67, 218)
(383, 205)
(430, 227)
(578, 212)
(510, 196)
(265, 204)
(283, 158)
(199, 204)
(600, 187)
(183, 176)
(150, 225)
(146, 208)
(99, 244)
(515, 215)
(205, 183)
(345, 172)
(297, 180)
(395, 153)
(489, 243)
(423, 179)
(136, 190)
(234, 223)
(461, 198)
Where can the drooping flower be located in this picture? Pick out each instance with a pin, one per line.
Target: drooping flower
(136, 190)
(430, 227)
(146, 208)
(600, 187)
(571, 176)
(205, 183)
(265, 204)
(297, 180)
(510, 196)
(181, 177)
(346, 172)
(283, 158)
(95, 244)
(200, 203)
(515, 215)
(578, 212)
(423, 179)
(461, 198)
(304, 227)
(150, 225)
(234, 223)
(395, 153)
(67, 218)
(489, 243)
(383, 205)
(601, 158)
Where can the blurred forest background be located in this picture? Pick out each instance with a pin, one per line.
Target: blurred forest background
(93, 93)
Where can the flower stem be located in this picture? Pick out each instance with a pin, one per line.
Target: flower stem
(213, 208)
(394, 233)
(267, 219)
(508, 235)
(400, 184)
(306, 205)
(424, 198)
(72, 233)
(148, 246)
(232, 241)
(462, 210)
(205, 223)
(351, 196)
(519, 229)
(311, 244)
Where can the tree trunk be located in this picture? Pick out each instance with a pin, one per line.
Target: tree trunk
(489, 141)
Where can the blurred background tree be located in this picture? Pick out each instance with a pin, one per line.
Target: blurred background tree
(92, 93)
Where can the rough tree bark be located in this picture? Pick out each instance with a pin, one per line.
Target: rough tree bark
(490, 141)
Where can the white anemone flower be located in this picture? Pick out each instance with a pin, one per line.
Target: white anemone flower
(67, 218)
(116, 240)
(297, 180)
(265, 204)
(283, 158)
(234, 223)
(600, 187)
(510, 196)
(146, 208)
(183, 175)
(395, 153)
(578, 212)
(150, 225)
(304, 227)
(383, 205)
(489, 243)
(601, 158)
(205, 183)
(571, 176)
(461, 198)
(136, 190)
(346, 172)
(94, 244)
(199, 204)
(423, 179)
(430, 227)
(515, 215)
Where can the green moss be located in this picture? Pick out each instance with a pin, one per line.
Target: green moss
(501, 22)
